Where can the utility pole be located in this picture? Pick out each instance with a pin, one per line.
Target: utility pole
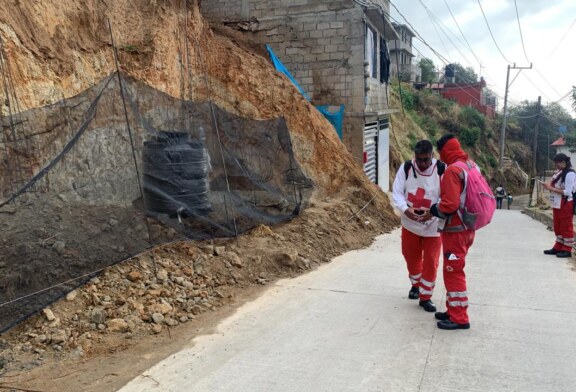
(505, 114)
(535, 143)
(532, 202)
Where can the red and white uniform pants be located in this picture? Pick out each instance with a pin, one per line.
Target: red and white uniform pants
(563, 226)
(422, 256)
(455, 247)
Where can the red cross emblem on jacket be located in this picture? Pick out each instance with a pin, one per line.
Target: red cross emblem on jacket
(418, 200)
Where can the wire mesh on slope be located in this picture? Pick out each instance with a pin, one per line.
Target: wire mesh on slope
(85, 184)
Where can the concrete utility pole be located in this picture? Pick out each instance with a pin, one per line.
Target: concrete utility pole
(505, 115)
(535, 144)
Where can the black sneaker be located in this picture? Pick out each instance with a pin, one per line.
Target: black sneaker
(450, 325)
(563, 253)
(414, 293)
(443, 316)
(428, 305)
(550, 251)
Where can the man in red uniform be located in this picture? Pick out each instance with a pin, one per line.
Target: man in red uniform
(456, 239)
(415, 188)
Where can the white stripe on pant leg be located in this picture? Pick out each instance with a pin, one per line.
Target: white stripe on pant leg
(428, 284)
(425, 292)
(415, 278)
(457, 294)
(457, 303)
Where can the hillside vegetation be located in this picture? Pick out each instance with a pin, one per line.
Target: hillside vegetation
(424, 115)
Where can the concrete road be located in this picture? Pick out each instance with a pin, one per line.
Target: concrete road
(349, 326)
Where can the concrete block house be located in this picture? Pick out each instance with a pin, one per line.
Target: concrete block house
(402, 57)
(337, 51)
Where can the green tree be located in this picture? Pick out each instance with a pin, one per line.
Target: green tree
(463, 75)
(523, 118)
(428, 70)
(574, 98)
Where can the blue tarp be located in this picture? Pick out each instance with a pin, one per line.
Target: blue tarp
(335, 118)
(281, 68)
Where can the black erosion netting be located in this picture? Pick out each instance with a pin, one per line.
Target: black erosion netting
(100, 177)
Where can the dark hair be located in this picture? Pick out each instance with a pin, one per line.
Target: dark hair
(562, 158)
(423, 147)
(443, 140)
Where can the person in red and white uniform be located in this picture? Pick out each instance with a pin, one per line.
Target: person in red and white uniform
(456, 238)
(416, 187)
(561, 187)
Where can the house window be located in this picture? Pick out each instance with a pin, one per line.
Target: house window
(384, 61)
(371, 52)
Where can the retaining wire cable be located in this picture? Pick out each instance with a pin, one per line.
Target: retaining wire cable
(4, 66)
(89, 115)
(492, 35)
(215, 123)
(121, 86)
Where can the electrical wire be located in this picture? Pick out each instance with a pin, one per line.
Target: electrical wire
(461, 33)
(444, 28)
(536, 87)
(520, 29)
(562, 39)
(492, 35)
(547, 82)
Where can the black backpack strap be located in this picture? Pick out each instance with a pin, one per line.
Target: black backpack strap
(440, 167)
(407, 167)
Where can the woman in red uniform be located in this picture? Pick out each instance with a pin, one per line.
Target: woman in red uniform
(561, 187)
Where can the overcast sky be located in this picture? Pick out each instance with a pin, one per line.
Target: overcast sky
(548, 30)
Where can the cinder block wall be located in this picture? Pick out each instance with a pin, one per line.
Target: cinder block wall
(320, 42)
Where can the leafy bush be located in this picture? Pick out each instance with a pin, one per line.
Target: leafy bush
(469, 136)
(446, 105)
(472, 118)
(492, 161)
(413, 140)
(427, 124)
(407, 99)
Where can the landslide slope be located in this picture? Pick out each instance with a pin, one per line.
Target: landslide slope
(143, 309)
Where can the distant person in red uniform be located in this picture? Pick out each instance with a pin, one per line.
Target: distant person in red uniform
(456, 238)
(416, 187)
(561, 187)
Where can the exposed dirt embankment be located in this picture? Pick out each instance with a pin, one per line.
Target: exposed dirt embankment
(59, 48)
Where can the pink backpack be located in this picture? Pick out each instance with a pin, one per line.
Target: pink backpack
(477, 203)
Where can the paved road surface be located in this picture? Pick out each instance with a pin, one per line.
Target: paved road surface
(349, 326)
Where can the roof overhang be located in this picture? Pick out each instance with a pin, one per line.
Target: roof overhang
(382, 23)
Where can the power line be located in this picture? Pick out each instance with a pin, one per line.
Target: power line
(562, 39)
(420, 38)
(461, 33)
(547, 82)
(442, 58)
(492, 35)
(443, 28)
(520, 29)
(536, 87)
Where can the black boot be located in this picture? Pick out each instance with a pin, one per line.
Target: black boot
(563, 253)
(550, 251)
(441, 316)
(449, 325)
(428, 305)
(414, 293)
